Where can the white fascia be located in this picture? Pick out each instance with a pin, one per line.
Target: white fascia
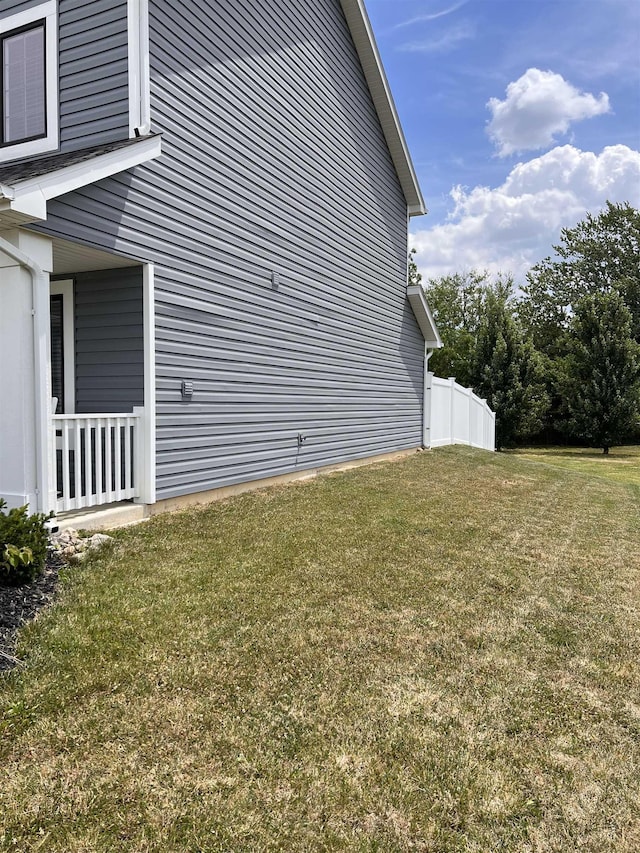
(29, 197)
(49, 13)
(423, 315)
(139, 74)
(364, 40)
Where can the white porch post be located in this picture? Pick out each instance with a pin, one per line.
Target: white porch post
(27, 473)
(146, 448)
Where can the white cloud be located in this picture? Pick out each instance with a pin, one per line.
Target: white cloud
(447, 41)
(513, 226)
(421, 19)
(538, 107)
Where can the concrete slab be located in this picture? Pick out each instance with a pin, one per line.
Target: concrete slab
(102, 517)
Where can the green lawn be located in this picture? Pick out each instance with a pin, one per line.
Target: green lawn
(438, 654)
(621, 464)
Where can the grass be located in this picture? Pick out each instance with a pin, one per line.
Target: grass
(621, 464)
(439, 654)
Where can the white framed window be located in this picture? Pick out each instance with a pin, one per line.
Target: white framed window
(29, 82)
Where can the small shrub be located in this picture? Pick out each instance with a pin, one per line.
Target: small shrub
(23, 544)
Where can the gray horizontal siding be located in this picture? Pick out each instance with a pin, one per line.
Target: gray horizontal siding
(273, 159)
(11, 7)
(109, 341)
(93, 55)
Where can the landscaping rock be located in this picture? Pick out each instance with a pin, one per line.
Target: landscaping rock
(73, 548)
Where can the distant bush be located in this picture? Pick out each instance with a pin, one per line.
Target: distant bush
(23, 545)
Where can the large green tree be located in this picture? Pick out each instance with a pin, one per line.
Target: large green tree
(601, 377)
(507, 372)
(458, 305)
(600, 254)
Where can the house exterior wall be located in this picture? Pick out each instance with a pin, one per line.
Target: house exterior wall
(11, 7)
(278, 230)
(92, 67)
(109, 341)
(94, 93)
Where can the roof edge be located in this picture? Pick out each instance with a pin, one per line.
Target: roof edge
(423, 315)
(364, 40)
(25, 200)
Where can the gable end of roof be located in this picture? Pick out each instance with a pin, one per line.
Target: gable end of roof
(364, 40)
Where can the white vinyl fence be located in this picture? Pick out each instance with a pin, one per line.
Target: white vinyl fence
(458, 416)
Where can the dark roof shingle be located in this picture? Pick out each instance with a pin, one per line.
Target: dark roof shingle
(34, 168)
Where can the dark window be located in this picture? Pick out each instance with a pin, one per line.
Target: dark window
(23, 85)
(57, 352)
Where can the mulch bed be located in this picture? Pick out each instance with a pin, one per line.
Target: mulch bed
(20, 604)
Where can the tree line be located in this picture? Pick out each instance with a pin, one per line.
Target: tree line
(558, 358)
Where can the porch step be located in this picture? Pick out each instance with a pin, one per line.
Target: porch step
(102, 517)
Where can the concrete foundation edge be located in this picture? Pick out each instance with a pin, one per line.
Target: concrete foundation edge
(122, 515)
(202, 498)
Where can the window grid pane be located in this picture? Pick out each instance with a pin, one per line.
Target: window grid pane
(23, 76)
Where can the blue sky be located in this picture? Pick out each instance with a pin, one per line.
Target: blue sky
(520, 116)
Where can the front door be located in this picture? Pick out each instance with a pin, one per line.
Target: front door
(62, 362)
(62, 347)
(57, 353)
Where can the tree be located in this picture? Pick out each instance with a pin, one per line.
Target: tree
(629, 288)
(507, 372)
(601, 254)
(414, 275)
(458, 303)
(602, 372)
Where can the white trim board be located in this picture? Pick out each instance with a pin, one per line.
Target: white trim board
(139, 73)
(148, 491)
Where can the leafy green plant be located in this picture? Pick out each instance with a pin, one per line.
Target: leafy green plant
(23, 544)
(15, 556)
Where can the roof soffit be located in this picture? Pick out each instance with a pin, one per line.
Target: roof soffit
(423, 315)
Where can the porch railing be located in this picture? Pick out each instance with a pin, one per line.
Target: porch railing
(97, 458)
